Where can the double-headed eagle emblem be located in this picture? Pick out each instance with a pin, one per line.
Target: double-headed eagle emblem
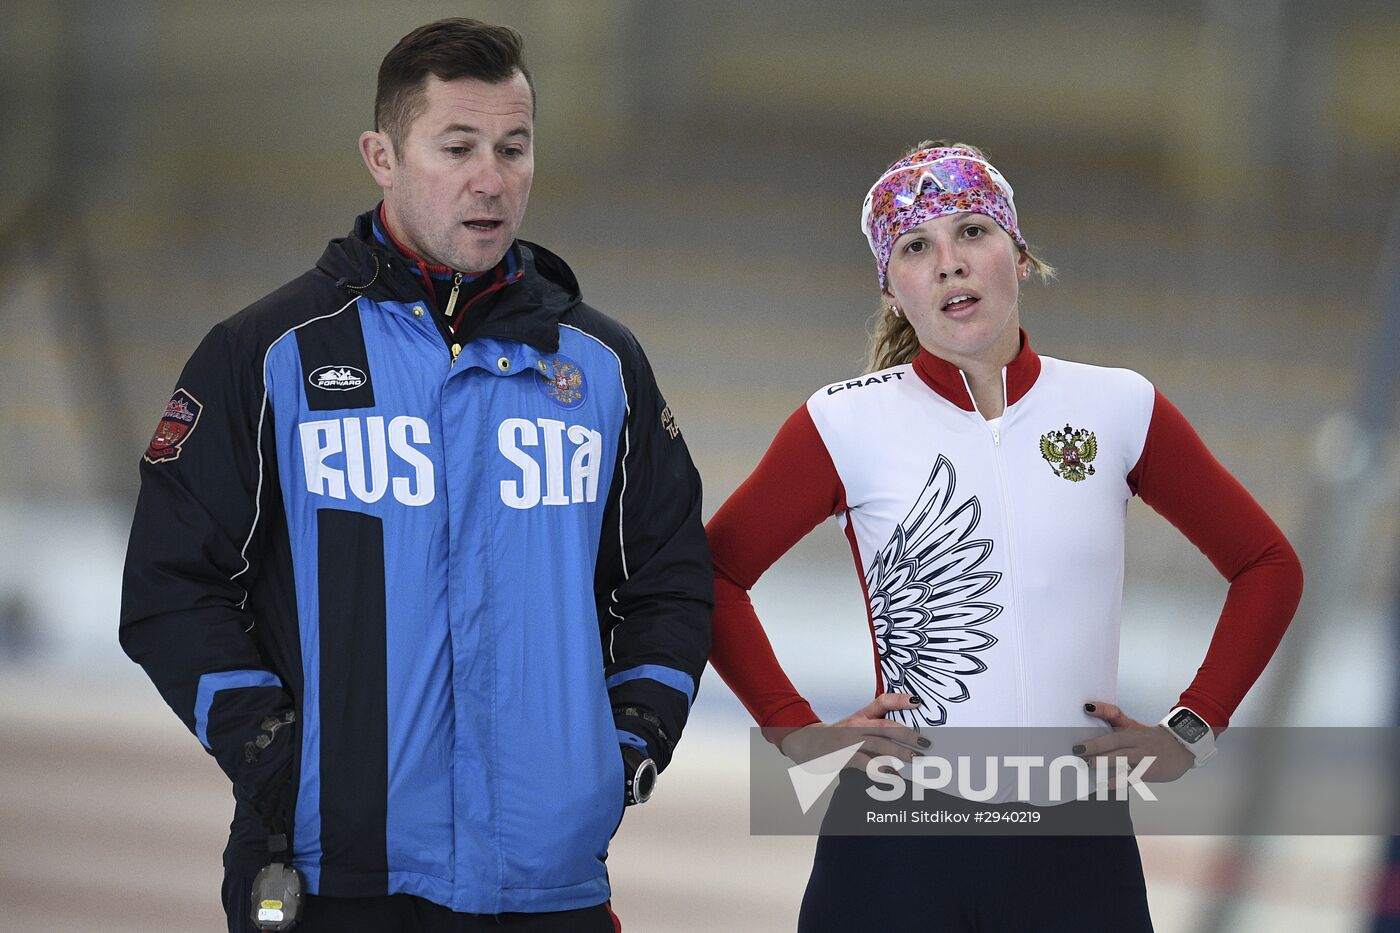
(926, 606)
(562, 380)
(1070, 452)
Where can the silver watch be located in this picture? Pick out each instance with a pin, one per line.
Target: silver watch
(639, 775)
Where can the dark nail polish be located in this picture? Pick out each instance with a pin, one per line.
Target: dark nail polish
(1078, 749)
(1089, 707)
(924, 743)
(914, 699)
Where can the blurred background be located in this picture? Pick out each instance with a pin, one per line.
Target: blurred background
(1218, 183)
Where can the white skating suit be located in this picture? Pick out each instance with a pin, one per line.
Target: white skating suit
(991, 552)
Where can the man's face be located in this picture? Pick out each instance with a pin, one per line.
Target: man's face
(456, 189)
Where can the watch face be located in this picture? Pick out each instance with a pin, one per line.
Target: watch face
(1188, 725)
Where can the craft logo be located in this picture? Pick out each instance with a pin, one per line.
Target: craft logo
(1070, 453)
(875, 380)
(176, 425)
(561, 380)
(337, 378)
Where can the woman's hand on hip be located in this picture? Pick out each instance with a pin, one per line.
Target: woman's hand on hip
(1135, 741)
(877, 735)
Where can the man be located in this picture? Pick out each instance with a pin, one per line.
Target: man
(418, 553)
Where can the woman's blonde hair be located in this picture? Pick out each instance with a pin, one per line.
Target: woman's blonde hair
(892, 337)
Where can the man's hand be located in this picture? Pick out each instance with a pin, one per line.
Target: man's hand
(1135, 741)
(881, 736)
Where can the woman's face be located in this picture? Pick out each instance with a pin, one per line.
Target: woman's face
(957, 278)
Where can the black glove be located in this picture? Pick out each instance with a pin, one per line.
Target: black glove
(267, 779)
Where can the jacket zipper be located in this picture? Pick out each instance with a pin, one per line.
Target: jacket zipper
(451, 305)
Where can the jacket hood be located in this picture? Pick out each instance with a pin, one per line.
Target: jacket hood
(528, 310)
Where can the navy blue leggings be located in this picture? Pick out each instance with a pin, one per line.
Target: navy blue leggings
(976, 883)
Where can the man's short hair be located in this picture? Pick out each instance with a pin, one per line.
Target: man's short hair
(451, 48)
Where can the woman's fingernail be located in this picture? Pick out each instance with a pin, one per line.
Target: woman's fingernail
(1089, 707)
(914, 699)
(1078, 749)
(923, 742)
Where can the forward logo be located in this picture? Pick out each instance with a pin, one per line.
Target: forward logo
(337, 378)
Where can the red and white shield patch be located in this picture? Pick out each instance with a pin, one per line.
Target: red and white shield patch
(176, 425)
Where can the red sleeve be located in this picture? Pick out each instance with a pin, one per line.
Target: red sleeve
(793, 489)
(1186, 485)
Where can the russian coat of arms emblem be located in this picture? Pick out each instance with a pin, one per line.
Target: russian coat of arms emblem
(1070, 452)
(562, 380)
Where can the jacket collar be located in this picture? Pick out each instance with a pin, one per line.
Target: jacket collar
(528, 311)
(947, 380)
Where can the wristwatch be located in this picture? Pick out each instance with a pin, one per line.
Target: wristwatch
(1191, 731)
(639, 771)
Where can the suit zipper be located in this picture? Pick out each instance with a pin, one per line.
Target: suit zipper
(1022, 714)
(1008, 522)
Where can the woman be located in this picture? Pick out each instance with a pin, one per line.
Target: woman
(983, 489)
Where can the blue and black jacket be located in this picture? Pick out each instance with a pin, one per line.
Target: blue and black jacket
(440, 590)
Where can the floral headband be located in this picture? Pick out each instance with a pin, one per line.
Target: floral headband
(932, 183)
